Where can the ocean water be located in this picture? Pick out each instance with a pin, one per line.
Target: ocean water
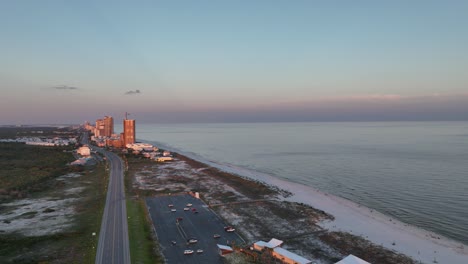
(416, 172)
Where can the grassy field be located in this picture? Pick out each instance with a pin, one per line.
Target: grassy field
(139, 229)
(23, 167)
(31, 172)
(143, 247)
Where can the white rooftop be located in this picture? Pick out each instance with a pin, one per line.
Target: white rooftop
(261, 243)
(275, 242)
(271, 244)
(290, 255)
(224, 247)
(351, 259)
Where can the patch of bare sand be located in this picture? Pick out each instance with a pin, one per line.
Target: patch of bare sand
(46, 215)
(36, 217)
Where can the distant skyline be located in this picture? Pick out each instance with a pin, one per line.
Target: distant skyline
(233, 61)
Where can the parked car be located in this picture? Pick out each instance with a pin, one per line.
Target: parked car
(189, 204)
(199, 251)
(186, 209)
(173, 242)
(229, 229)
(216, 236)
(170, 205)
(192, 241)
(173, 210)
(188, 252)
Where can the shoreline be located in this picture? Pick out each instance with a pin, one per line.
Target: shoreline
(349, 217)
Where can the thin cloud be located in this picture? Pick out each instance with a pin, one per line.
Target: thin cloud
(65, 87)
(133, 92)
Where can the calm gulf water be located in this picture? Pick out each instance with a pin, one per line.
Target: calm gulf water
(416, 172)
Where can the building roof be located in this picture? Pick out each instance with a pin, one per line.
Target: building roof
(351, 259)
(292, 256)
(261, 243)
(271, 244)
(275, 242)
(224, 247)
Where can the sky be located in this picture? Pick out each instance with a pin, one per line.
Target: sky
(233, 61)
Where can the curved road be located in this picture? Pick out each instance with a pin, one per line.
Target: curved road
(113, 238)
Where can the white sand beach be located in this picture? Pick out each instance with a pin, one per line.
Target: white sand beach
(421, 245)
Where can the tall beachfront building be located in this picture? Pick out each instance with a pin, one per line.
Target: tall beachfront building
(128, 131)
(104, 127)
(108, 126)
(99, 129)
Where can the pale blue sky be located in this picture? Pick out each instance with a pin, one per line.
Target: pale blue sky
(316, 60)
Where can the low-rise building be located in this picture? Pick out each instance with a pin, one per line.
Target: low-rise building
(140, 147)
(273, 243)
(274, 247)
(114, 142)
(288, 257)
(224, 250)
(84, 151)
(163, 159)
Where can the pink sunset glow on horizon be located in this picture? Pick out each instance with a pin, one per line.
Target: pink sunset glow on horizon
(365, 107)
(204, 62)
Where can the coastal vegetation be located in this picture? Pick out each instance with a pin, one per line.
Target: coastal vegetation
(33, 131)
(142, 241)
(24, 169)
(72, 244)
(50, 212)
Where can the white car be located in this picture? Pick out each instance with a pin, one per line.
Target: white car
(192, 241)
(186, 209)
(230, 230)
(188, 252)
(189, 204)
(199, 251)
(173, 210)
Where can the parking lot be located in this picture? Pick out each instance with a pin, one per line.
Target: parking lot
(198, 222)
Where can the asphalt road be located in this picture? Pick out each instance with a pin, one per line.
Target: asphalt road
(113, 238)
(201, 226)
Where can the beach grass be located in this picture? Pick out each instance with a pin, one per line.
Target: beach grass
(142, 240)
(140, 234)
(75, 243)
